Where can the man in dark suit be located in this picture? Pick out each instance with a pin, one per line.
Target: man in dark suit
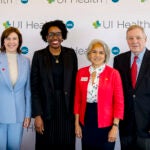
(135, 128)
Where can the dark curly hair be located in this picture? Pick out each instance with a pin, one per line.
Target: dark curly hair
(6, 33)
(56, 23)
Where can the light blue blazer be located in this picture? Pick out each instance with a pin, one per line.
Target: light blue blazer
(15, 101)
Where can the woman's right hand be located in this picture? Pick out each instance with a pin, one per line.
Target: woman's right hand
(78, 131)
(39, 125)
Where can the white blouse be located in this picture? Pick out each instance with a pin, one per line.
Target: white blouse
(93, 88)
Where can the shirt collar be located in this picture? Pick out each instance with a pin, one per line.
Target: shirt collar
(98, 70)
(140, 56)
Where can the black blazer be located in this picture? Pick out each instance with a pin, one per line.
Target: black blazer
(137, 101)
(42, 86)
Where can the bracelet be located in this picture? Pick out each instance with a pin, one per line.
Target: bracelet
(115, 124)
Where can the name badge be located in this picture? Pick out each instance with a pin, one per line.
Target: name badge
(84, 78)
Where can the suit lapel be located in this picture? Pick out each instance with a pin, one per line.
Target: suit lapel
(144, 65)
(5, 70)
(67, 75)
(67, 70)
(125, 69)
(48, 66)
(21, 68)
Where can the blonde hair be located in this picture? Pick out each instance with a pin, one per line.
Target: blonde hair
(101, 43)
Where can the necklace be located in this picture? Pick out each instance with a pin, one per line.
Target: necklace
(56, 57)
(55, 54)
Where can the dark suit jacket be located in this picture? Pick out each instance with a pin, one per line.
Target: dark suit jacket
(42, 86)
(137, 101)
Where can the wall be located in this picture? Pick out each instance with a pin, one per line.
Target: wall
(85, 20)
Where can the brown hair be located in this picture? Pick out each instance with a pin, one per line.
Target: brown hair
(6, 33)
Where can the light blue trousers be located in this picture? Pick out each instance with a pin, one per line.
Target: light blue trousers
(11, 136)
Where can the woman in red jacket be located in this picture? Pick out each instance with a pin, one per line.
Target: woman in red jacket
(99, 101)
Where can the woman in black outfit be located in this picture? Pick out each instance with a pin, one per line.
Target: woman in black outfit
(53, 74)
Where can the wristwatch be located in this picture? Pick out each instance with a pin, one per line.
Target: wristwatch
(115, 124)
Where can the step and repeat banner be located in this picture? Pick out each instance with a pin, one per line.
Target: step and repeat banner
(107, 20)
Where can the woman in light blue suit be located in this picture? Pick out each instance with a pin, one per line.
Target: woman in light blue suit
(15, 100)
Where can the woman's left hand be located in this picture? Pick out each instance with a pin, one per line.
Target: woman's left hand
(112, 135)
(26, 122)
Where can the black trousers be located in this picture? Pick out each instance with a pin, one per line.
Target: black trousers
(94, 138)
(134, 143)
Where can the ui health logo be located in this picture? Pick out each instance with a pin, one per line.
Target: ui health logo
(96, 24)
(6, 24)
(69, 24)
(142, 1)
(24, 50)
(50, 1)
(31, 24)
(82, 1)
(5, 2)
(24, 1)
(115, 1)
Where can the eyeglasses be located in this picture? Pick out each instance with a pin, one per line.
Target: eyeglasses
(52, 34)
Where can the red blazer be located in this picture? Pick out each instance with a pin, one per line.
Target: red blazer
(110, 96)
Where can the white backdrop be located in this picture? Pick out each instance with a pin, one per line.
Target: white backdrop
(85, 20)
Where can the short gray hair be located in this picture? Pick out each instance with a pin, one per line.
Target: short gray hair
(103, 44)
